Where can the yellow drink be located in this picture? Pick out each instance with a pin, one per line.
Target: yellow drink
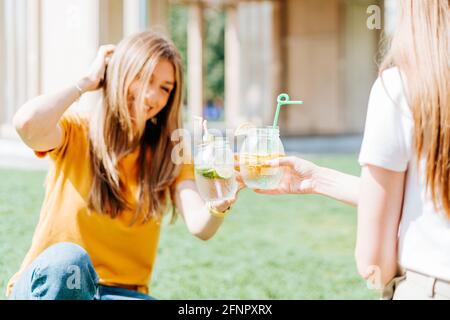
(257, 174)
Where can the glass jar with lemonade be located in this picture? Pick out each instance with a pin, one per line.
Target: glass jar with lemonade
(261, 145)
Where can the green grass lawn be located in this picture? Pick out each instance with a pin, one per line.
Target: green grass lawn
(269, 247)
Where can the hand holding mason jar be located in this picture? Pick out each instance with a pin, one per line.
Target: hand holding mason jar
(215, 175)
(260, 146)
(214, 170)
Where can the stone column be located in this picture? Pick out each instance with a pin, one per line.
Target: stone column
(9, 56)
(70, 40)
(12, 45)
(111, 21)
(33, 48)
(157, 14)
(20, 58)
(232, 68)
(313, 66)
(132, 16)
(20, 52)
(2, 63)
(276, 82)
(360, 69)
(260, 60)
(195, 61)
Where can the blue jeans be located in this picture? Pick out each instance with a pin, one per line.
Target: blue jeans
(64, 271)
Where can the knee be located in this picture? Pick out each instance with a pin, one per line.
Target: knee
(64, 255)
(64, 270)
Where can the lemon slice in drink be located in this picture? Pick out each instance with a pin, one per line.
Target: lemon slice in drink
(243, 128)
(224, 172)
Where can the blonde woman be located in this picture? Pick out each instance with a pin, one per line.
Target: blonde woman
(112, 177)
(403, 194)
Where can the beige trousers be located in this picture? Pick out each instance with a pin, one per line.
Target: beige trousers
(416, 286)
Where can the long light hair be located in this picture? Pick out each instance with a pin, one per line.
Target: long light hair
(117, 128)
(421, 50)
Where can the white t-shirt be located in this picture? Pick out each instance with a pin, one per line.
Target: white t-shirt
(424, 235)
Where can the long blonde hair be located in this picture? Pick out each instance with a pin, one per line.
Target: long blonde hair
(113, 134)
(421, 50)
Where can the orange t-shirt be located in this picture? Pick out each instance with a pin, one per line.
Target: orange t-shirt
(121, 254)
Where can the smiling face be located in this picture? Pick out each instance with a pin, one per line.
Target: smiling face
(158, 90)
(144, 80)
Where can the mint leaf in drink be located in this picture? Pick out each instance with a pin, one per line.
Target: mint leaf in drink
(208, 173)
(212, 173)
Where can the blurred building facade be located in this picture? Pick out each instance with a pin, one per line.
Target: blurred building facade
(319, 51)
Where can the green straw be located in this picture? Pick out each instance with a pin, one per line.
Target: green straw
(282, 100)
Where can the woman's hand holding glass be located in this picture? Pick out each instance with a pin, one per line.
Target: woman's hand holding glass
(298, 176)
(304, 177)
(224, 205)
(215, 173)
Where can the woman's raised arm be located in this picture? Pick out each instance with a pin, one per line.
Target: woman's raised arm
(37, 120)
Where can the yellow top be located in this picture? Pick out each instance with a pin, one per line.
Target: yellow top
(122, 255)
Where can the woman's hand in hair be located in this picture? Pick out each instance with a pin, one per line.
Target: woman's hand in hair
(93, 80)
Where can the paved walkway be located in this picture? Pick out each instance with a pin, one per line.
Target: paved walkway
(14, 154)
